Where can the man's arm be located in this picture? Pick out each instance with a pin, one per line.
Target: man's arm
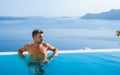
(21, 50)
(53, 49)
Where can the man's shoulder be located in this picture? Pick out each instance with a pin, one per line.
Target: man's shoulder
(28, 45)
(45, 44)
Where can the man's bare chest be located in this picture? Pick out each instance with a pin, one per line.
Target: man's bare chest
(37, 49)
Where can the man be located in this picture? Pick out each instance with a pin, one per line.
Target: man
(38, 49)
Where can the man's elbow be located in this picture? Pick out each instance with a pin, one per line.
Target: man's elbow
(19, 52)
(55, 52)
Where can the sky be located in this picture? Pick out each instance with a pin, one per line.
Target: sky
(55, 8)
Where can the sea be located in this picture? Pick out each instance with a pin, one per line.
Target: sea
(62, 33)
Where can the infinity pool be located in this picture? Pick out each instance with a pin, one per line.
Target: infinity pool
(104, 63)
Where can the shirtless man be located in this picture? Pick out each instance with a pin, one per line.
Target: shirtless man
(38, 49)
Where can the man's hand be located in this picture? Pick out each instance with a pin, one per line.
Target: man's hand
(23, 56)
(51, 57)
(45, 61)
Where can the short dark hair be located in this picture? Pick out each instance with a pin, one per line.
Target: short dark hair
(36, 31)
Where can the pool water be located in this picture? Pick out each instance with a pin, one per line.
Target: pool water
(107, 63)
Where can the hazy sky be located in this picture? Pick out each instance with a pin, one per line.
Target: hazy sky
(55, 8)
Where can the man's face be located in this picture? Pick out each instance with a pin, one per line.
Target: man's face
(38, 38)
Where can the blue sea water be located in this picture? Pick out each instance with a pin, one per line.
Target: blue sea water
(66, 64)
(63, 33)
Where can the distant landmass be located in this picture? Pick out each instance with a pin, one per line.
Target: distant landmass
(113, 14)
(12, 18)
(25, 18)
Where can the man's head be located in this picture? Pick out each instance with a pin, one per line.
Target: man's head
(37, 36)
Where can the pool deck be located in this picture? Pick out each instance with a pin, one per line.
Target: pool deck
(72, 51)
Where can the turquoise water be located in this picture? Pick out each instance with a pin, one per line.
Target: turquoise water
(67, 64)
(63, 33)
